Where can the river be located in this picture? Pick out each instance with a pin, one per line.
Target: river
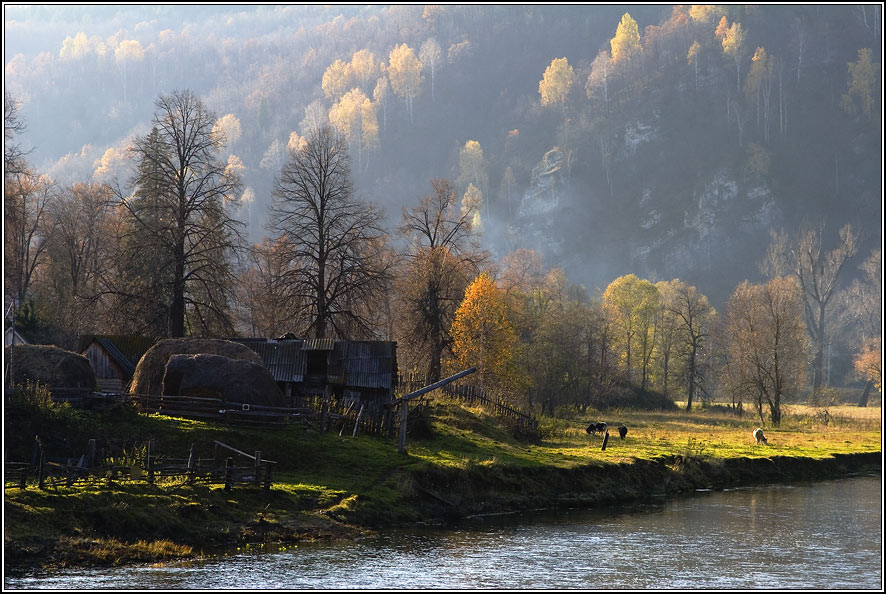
(822, 535)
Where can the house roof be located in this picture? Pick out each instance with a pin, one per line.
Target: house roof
(126, 351)
(365, 364)
(356, 364)
(285, 359)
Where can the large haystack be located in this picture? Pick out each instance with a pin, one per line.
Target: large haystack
(148, 378)
(232, 380)
(49, 365)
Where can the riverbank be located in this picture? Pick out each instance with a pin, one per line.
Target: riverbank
(333, 487)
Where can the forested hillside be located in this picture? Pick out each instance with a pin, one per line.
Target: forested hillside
(668, 142)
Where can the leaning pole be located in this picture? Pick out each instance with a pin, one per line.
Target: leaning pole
(404, 403)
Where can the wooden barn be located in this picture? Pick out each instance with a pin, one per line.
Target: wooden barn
(350, 370)
(113, 358)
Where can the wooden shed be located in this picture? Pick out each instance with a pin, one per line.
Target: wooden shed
(364, 369)
(113, 358)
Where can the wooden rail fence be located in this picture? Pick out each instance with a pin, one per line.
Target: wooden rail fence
(523, 423)
(228, 466)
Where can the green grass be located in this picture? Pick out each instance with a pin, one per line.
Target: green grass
(323, 482)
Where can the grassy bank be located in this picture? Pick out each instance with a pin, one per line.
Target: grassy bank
(336, 486)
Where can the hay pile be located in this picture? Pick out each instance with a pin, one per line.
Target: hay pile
(216, 376)
(148, 377)
(49, 365)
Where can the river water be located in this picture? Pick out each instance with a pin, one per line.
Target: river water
(822, 535)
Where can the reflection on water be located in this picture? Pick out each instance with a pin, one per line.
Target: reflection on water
(825, 535)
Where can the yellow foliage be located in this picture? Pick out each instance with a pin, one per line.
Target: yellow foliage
(404, 71)
(626, 43)
(869, 362)
(863, 83)
(556, 82)
(483, 336)
(336, 79)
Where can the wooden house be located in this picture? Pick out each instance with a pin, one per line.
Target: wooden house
(346, 369)
(114, 358)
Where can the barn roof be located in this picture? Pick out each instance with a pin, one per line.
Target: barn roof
(355, 364)
(285, 359)
(365, 364)
(126, 351)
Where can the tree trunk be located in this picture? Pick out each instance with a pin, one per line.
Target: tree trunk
(866, 394)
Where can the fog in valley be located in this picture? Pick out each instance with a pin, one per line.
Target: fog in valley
(697, 143)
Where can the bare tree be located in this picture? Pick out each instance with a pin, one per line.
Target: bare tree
(694, 316)
(818, 272)
(180, 211)
(26, 231)
(333, 242)
(13, 125)
(441, 259)
(766, 343)
(82, 248)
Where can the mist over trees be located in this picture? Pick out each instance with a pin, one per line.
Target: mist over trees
(158, 180)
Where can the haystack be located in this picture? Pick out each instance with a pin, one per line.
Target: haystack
(49, 365)
(148, 377)
(232, 380)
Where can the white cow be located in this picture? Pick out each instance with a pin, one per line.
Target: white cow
(758, 435)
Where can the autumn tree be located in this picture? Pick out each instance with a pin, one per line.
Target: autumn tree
(13, 125)
(864, 76)
(263, 304)
(128, 52)
(345, 116)
(869, 364)
(483, 336)
(758, 84)
(692, 57)
(441, 258)
(766, 343)
(863, 305)
(818, 273)
(429, 53)
(336, 79)
(82, 248)
(630, 304)
(404, 72)
(26, 231)
(625, 46)
(734, 46)
(228, 130)
(380, 97)
(180, 208)
(364, 68)
(555, 321)
(693, 317)
(556, 83)
(333, 242)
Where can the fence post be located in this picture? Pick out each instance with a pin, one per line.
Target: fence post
(229, 473)
(404, 414)
(150, 462)
(90, 454)
(41, 482)
(191, 466)
(256, 478)
(23, 479)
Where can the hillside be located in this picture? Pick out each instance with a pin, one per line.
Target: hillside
(677, 165)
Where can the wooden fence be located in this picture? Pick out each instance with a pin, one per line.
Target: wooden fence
(228, 466)
(523, 423)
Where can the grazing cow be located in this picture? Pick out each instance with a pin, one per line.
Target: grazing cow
(622, 431)
(759, 437)
(594, 428)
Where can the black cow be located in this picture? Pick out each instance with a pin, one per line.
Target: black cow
(622, 431)
(595, 428)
